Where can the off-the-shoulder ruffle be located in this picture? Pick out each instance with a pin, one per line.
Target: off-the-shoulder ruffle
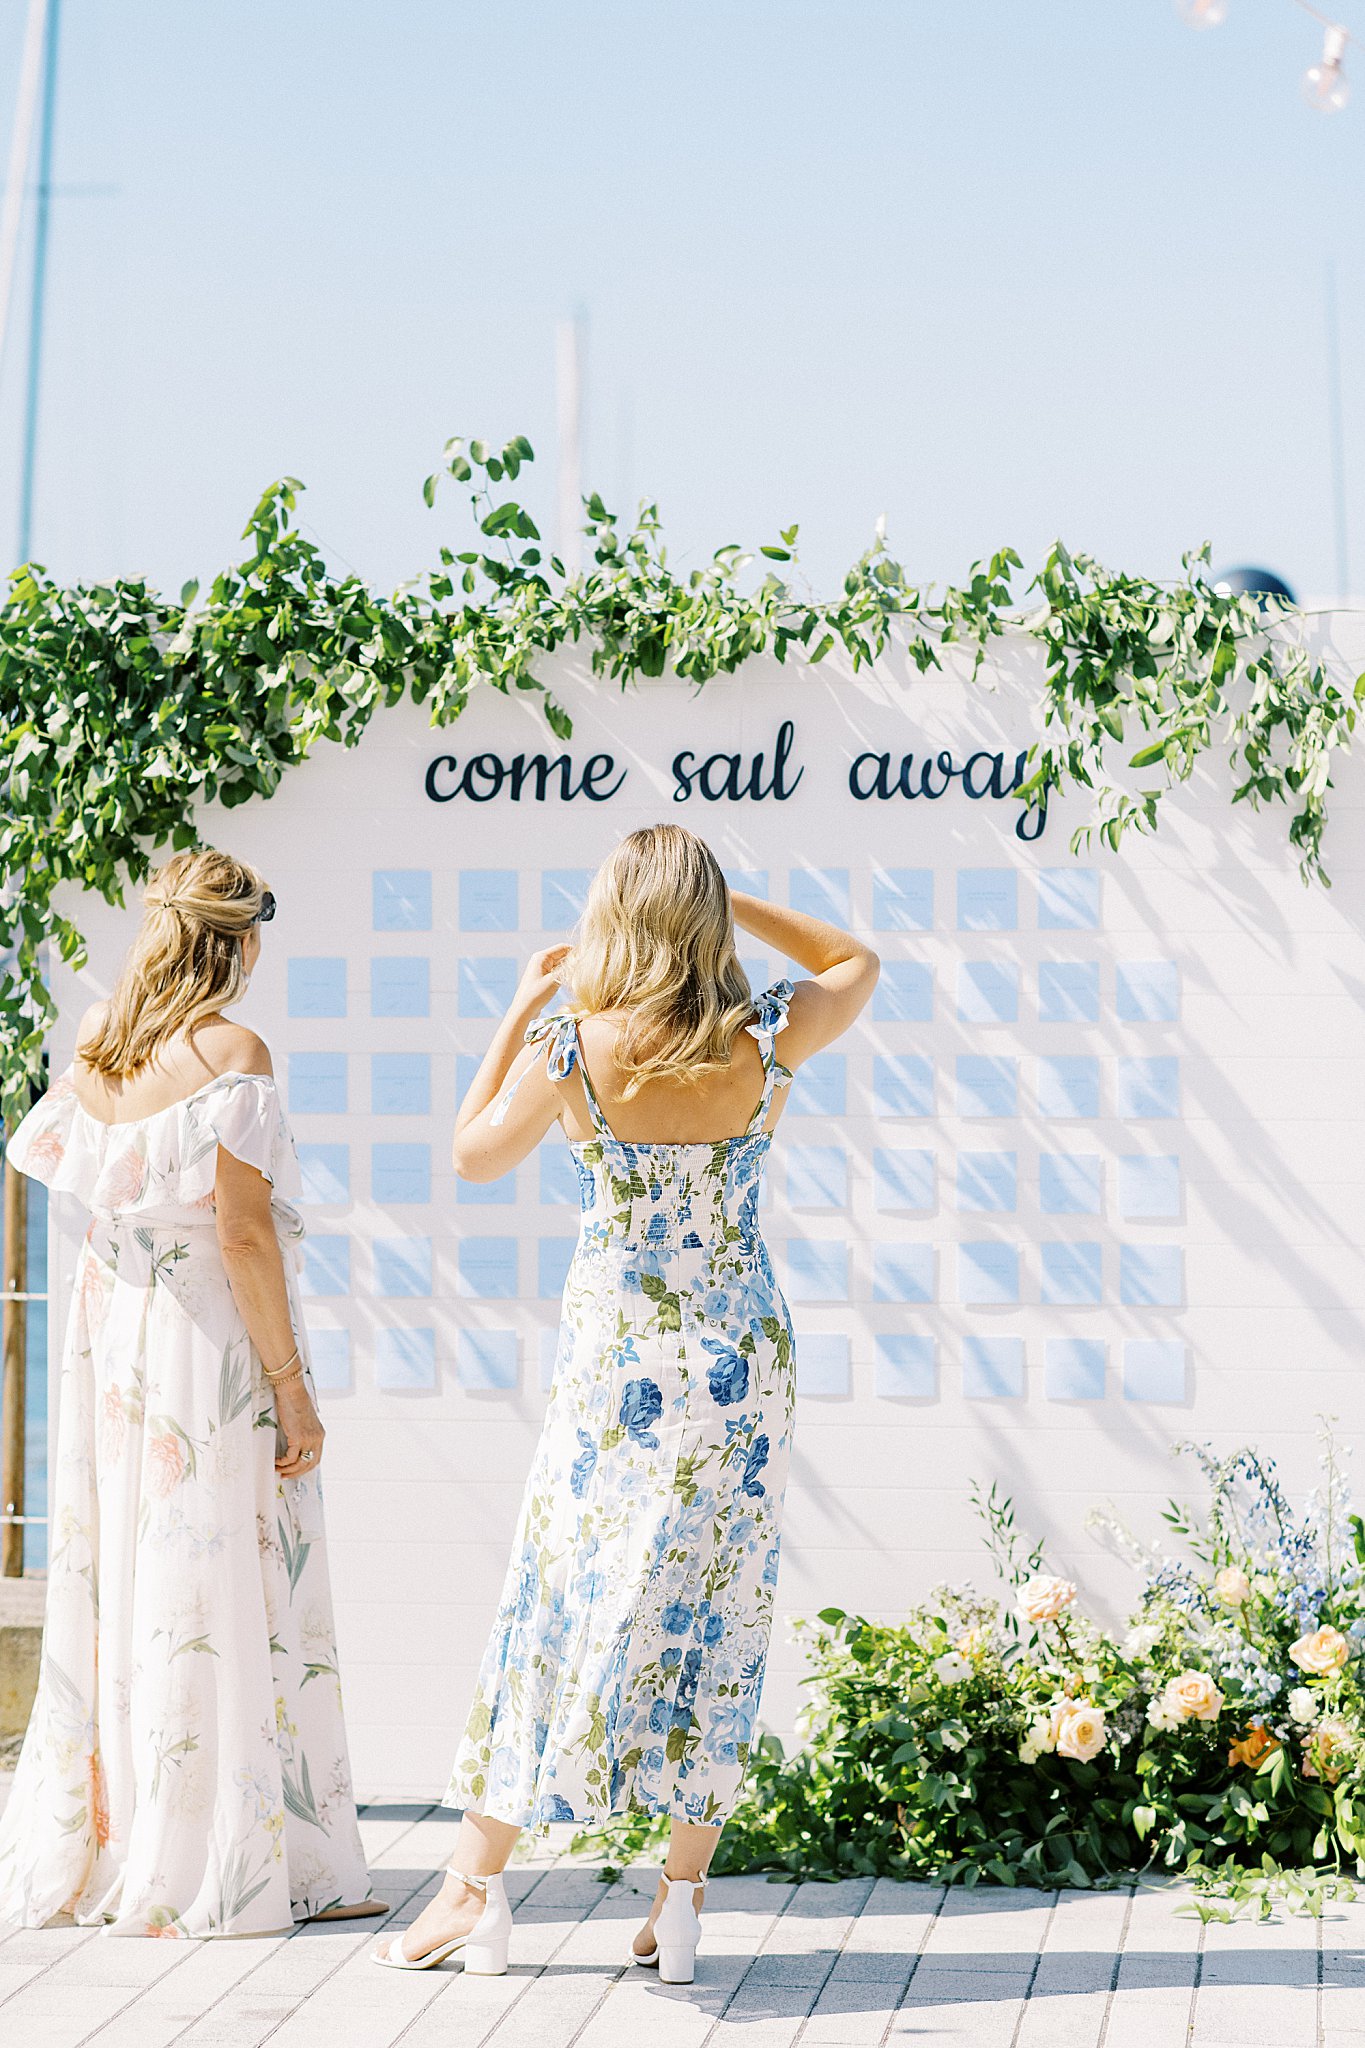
(163, 1163)
(240, 1112)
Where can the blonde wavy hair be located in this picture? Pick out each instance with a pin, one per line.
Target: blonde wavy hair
(657, 939)
(185, 963)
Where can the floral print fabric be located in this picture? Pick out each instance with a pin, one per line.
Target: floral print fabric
(627, 1658)
(185, 1770)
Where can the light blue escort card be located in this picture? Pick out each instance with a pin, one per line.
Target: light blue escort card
(317, 1083)
(404, 1360)
(987, 992)
(986, 1086)
(820, 1086)
(1069, 992)
(1073, 1274)
(1151, 1275)
(317, 988)
(1073, 1369)
(903, 1180)
(325, 1171)
(1068, 899)
(497, 1194)
(987, 1181)
(1069, 1085)
(486, 1360)
(400, 1173)
(1149, 1087)
(554, 1256)
(992, 1368)
(558, 1173)
(563, 894)
(1149, 1187)
(902, 1084)
(748, 881)
(1070, 1183)
(817, 1176)
(821, 892)
(1155, 1369)
(823, 1365)
(902, 899)
(904, 994)
(402, 900)
(488, 900)
(1147, 992)
(906, 1367)
(400, 1084)
(487, 1268)
(326, 1264)
(903, 1272)
(329, 1351)
(987, 900)
(400, 986)
(987, 1274)
(817, 1269)
(486, 986)
(402, 1266)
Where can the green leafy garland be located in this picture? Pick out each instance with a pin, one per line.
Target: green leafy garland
(122, 711)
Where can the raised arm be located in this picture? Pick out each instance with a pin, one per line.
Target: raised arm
(484, 1150)
(843, 972)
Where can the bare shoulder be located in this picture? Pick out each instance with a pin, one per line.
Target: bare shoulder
(228, 1048)
(91, 1023)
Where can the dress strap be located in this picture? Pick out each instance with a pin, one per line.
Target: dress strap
(770, 1017)
(564, 1053)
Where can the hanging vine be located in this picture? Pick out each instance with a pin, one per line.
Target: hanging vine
(122, 711)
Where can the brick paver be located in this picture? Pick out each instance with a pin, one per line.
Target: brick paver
(861, 1964)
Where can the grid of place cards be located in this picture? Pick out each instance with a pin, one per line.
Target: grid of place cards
(1000, 1132)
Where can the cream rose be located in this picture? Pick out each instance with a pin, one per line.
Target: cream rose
(1232, 1586)
(1080, 1734)
(1324, 1651)
(1044, 1598)
(1193, 1696)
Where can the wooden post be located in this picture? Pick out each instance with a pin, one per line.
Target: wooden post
(15, 1325)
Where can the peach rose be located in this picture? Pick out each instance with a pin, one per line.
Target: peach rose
(972, 1641)
(122, 1185)
(1044, 1598)
(1255, 1746)
(1232, 1586)
(46, 1153)
(1193, 1696)
(1324, 1651)
(1321, 1749)
(1080, 1731)
(166, 1463)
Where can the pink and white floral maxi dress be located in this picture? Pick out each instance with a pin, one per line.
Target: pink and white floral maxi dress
(185, 1770)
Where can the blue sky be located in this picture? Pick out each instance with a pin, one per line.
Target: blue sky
(1000, 272)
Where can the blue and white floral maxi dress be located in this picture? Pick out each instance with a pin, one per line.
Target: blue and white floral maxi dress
(626, 1661)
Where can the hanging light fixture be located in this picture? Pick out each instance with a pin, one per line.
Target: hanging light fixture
(1202, 13)
(1324, 83)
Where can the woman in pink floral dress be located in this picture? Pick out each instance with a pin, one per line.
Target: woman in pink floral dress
(185, 1770)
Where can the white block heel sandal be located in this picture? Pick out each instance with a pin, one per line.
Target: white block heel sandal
(677, 1932)
(483, 1950)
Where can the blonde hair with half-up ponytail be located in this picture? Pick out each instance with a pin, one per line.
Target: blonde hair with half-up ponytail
(657, 939)
(185, 963)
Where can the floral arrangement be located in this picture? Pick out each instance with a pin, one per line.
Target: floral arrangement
(1011, 1737)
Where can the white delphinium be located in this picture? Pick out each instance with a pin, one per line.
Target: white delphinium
(1160, 1715)
(952, 1667)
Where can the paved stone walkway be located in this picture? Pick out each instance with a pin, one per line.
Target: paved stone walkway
(852, 1965)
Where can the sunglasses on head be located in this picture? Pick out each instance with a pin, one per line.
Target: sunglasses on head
(267, 909)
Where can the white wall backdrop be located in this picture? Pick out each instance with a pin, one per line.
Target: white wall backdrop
(1086, 1180)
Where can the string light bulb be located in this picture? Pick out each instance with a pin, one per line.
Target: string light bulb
(1324, 83)
(1202, 13)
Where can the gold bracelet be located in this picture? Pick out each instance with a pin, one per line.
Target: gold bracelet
(283, 1379)
(281, 1370)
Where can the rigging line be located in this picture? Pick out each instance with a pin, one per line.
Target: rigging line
(1307, 7)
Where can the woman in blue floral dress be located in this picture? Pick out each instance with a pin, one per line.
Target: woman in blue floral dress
(626, 1661)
